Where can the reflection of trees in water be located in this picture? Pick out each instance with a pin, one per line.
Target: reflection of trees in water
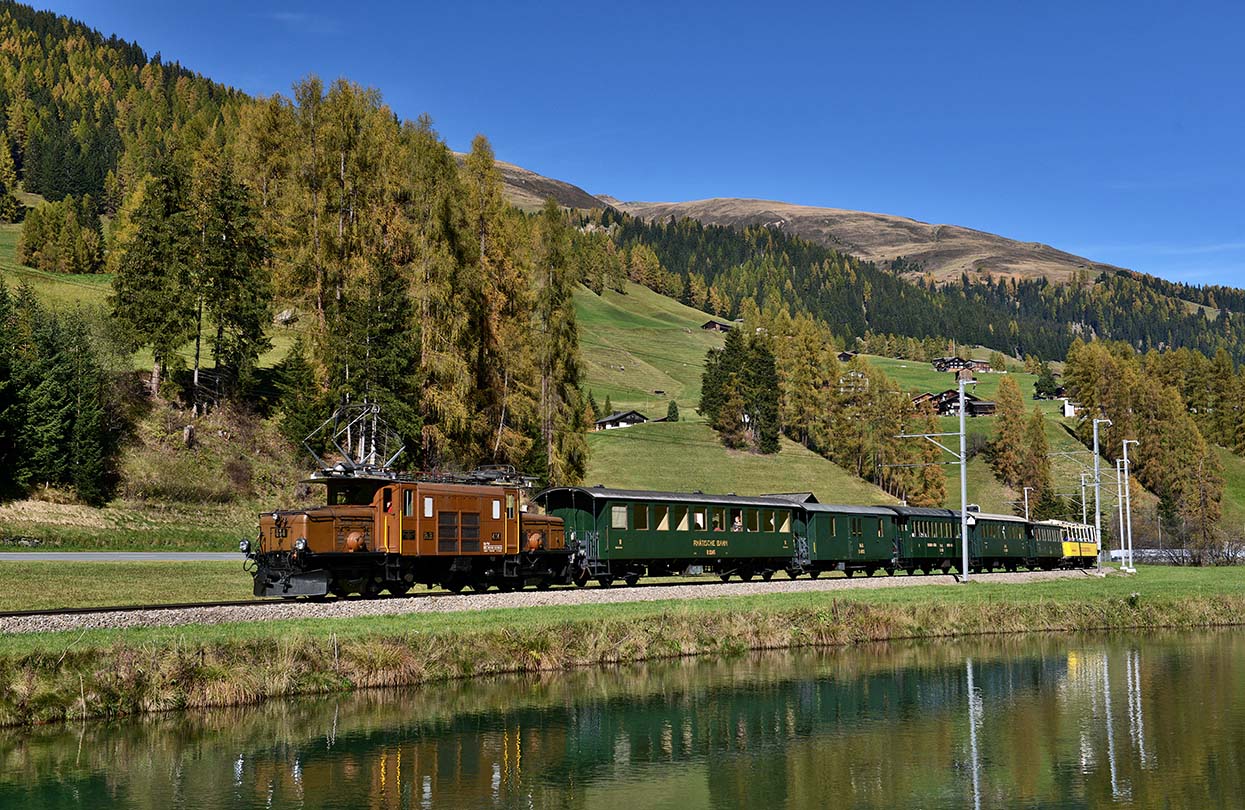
(884, 725)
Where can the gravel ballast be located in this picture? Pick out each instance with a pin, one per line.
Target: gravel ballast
(451, 603)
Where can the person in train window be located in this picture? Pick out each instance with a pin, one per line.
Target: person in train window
(738, 524)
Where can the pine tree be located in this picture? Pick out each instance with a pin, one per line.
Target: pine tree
(11, 417)
(761, 384)
(151, 296)
(1035, 468)
(10, 208)
(672, 411)
(557, 337)
(1007, 450)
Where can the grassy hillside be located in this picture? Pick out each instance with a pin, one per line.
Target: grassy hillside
(637, 344)
(688, 456)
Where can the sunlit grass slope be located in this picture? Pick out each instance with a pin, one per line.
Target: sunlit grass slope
(637, 344)
(687, 456)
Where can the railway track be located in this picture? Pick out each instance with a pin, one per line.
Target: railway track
(329, 601)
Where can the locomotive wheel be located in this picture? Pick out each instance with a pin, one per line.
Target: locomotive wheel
(339, 590)
(605, 582)
(581, 577)
(631, 580)
(371, 589)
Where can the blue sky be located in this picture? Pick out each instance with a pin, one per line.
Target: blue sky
(1113, 130)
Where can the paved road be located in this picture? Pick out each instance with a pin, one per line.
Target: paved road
(120, 556)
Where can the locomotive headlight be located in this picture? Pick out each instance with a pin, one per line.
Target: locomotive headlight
(300, 544)
(245, 546)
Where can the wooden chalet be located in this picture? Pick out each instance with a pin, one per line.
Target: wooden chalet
(959, 363)
(947, 403)
(620, 419)
(846, 357)
(716, 326)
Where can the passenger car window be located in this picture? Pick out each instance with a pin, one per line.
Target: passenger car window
(661, 518)
(640, 517)
(618, 517)
(678, 517)
(698, 520)
(785, 528)
(751, 520)
(767, 520)
(719, 518)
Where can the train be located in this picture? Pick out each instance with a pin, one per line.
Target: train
(384, 532)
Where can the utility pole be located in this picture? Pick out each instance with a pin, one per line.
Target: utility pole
(1027, 489)
(963, 489)
(1128, 505)
(1098, 492)
(1119, 501)
(962, 458)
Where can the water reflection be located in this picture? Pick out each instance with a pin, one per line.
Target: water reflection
(1153, 721)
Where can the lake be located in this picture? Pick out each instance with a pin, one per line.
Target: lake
(1140, 721)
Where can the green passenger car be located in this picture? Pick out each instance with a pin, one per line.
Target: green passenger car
(627, 534)
(999, 541)
(849, 538)
(927, 539)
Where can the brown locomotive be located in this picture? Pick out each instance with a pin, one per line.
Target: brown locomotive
(387, 532)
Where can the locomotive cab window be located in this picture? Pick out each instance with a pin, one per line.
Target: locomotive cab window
(427, 506)
(509, 507)
(618, 517)
(387, 500)
(496, 509)
(408, 503)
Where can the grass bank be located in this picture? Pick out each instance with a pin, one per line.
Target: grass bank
(108, 673)
(46, 585)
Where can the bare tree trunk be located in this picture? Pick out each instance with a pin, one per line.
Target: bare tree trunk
(155, 378)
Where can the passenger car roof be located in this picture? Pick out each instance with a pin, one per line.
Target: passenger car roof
(609, 494)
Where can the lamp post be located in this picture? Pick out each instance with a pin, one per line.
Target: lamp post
(1027, 490)
(1128, 505)
(1098, 492)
